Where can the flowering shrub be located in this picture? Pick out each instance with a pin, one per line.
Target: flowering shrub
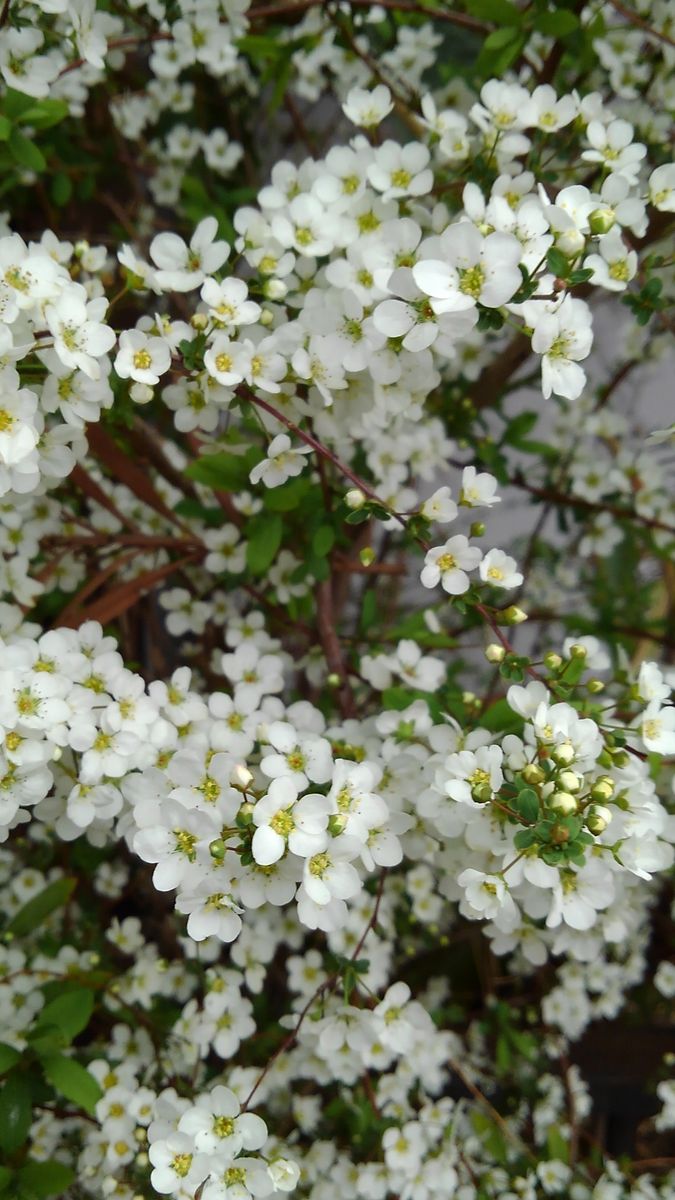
(336, 793)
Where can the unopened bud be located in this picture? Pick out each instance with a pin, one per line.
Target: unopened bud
(266, 317)
(333, 680)
(553, 661)
(494, 653)
(564, 754)
(57, 753)
(477, 529)
(217, 849)
(560, 835)
(336, 824)
(598, 819)
(275, 289)
(199, 321)
(355, 498)
(563, 802)
(141, 393)
(468, 698)
(533, 774)
(481, 793)
(512, 615)
(142, 1159)
(578, 651)
(570, 242)
(603, 789)
(367, 555)
(140, 1134)
(601, 220)
(595, 686)
(621, 758)
(569, 781)
(241, 777)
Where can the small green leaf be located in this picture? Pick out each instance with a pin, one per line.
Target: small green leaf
(558, 263)
(5, 128)
(16, 1112)
(72, 1080)
(44, 1178)
(527, 804)
(44, 114)
(34, 912)
(264, 533)
(61, 189)
(557, 24)
(223, 472)
(9, 1057)
(323, 540)
(6, 1176)
(69, 1012)
(26, 153)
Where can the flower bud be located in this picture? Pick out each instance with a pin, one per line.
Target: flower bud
(578, 651)
(621, 758)
(511, 615)
(141, 393)
(275, 289)
(494, 653)
(367, 555)
(601, 220)
(355, 498)
(563, 802)
(477, 529)
(266, 317)
(217, 849)
(199, 320)
(553, 661)
(598, 819)
(481, 793)
(560, 835)
(533, 774)
(241, 777)
(570, 242)
(333, 680)
(564, 754)
(603, 789)
(595, 686)
(569, 781)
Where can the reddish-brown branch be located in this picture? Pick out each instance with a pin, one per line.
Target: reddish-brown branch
(278, 11)
(634, 18)
(331, 646)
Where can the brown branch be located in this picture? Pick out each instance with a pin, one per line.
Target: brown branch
(570, 501)
(331, 646)
(274, 11)
(634, 18)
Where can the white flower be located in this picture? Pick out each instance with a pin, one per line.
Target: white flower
(479, 489)
(80, 338)
(661, 188)
(484, 895)
(448, 565)
(283, 462)
(368, 108)
(499, 570)
(401, 170)
(563, 338)
(282, 820)
(439, 507)
(228, 302)
(470, 269)
(657, 729)
(218, 1126)
(615, 265)
(141, 357)
(613, 146)
(182, 268)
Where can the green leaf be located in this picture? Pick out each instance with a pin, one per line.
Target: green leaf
(72, 1080)
(39, 907)
(288, 496)
(70, 1012)
(44, 114)
(37, 1179)
(501, 12)
(9, 1057)
(16, 1112)
(558, 263)
(6, 1176)
(61, 189)
(524, 839)
(26, 153)
(500, 717)
(5, 128)
(322, 541)
(527, 804)
(557, 24)
(264, 534)
(224, 472)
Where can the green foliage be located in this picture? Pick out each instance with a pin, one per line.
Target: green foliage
(38, 908)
